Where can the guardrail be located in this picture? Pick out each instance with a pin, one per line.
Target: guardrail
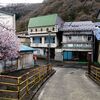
(16, 88)
(95, 73)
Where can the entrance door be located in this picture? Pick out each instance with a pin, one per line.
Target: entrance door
(67, 55)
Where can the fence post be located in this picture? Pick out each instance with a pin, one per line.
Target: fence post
(89, 62)
(18, 87)
(96, 74)
(48, 69)
(27, 89)
(39, 75)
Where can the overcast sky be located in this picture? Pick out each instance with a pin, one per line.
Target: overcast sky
(20, 1)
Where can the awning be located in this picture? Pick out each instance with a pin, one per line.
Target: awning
(24, 48)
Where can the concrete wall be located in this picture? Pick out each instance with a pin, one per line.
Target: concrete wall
(58, 55)
(26, 60)
(25, 41)
(40, 52)
(9, 65)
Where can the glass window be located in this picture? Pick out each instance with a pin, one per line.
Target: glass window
(36, 30)
(89, 38)
(70, 37)
(52, 39)
(31, 30)
(53, 28)
(41, 29)
(37, 39)
(47, 39)
(47, 29)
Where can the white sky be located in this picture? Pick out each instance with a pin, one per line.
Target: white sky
(20, 1)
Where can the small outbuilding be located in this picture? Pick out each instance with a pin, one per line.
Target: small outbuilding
(26, 57)
(25, 60)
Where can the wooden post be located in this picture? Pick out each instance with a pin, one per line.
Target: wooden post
(18, 88)
(39, 75)
(89, 62)
(27, 89)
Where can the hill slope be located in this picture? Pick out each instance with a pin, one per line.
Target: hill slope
(69, 10)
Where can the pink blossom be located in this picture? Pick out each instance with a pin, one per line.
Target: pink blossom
(9, 44)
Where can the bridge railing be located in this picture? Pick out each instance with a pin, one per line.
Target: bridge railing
(95, 73)
(16, 88)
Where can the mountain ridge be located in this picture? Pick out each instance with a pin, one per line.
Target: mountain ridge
(68, 10)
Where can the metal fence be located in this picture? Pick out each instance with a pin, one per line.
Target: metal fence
(16, 88)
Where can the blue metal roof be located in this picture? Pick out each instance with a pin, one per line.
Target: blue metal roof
(97, 24)
(78, 26)
(24, 48)
(97, 33)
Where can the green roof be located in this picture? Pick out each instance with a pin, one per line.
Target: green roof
(40, 21)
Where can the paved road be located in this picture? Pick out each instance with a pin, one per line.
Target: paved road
(70, 84)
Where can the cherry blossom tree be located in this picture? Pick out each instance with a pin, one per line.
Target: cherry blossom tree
(9, 45)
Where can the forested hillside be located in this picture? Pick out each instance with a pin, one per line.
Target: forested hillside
(69, 10)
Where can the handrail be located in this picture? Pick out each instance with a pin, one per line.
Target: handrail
(95, 67)
(6, 76)
(26, 81)
(95, 73)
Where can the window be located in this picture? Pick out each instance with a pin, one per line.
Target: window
(46, 39)
(70, 37)
(37, 40)
(52, 39)
(47, 29)
(53, 29)
(89, 38)
(31, 30)
(41, 29)
(33, 39)
(36, 30)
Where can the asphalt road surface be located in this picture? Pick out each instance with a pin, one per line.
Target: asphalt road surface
(70, 84)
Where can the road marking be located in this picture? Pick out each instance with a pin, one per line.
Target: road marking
(41, 94)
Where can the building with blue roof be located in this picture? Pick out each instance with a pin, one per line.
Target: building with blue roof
(97, 35)
(77, 41)
(26, 57)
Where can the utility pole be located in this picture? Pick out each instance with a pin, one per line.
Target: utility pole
(49, 32)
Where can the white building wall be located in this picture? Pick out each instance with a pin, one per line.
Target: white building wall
(44, 29)
(99, 53)
(8, 21)
(43, 44)
(58, 55)
(76, 38)
(77, 42)
(39, 52)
